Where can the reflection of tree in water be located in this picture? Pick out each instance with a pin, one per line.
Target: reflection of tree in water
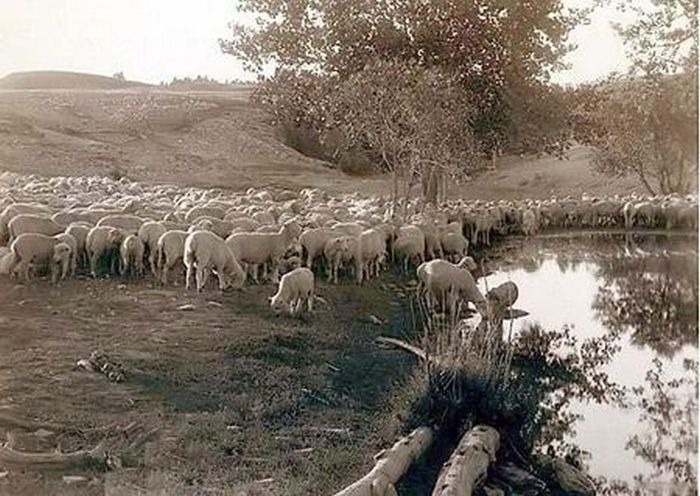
(648, 284)
(654, 297)
(669, 410)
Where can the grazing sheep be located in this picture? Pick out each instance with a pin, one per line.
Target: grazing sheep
(295, 288)
(468, 263)
(32, 223)
(454, 245)
(207, 251)
(170, 248)
(372, 244)
(16, 209)
(131, 256)
(313, 241)
(149, 233)
(61, 258)
(67, 217)
(338, 250)
(409, 248)
(130, 224)
(70, 240)
(256, 249)
(33, 249)
(446, 282)
(196, 212)
(79, 231)
(103, 242)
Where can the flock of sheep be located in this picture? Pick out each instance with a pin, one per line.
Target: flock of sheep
(103, 226)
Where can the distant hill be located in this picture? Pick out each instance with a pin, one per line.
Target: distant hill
(34, 80)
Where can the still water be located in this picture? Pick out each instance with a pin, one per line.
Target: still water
(643, 289)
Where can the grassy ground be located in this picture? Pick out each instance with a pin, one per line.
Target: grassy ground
(238, 394)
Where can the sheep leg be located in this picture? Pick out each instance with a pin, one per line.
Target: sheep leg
(222, 278)
(310, 302)
(189, 276)
(200, 274)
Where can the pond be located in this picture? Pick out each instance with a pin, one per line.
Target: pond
(643, 290)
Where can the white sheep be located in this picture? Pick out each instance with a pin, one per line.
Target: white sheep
(16, 209)
(79, 231)
(256, 249)
(131, 256)
(32, 223)
(5, 259)
(313, 241)
(295, 289)
(103, 242)
(149, 233)
(372, 252)
(205, 251)
(196, 211)
(170, 248)
(407, 248)
(130, 224)
(454, 245)
(446, 282)
(339, 250)
(34, 249)
(70, 240)
(61, 259)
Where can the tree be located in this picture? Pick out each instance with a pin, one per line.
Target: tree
(645, 123)
(416, 120)
(119, 76)
(503, 51)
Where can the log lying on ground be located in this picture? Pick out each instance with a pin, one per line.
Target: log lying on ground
(391, 464)
(10, 457)
(469, 463)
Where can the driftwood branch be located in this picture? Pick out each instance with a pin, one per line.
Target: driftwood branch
(469, 463)
(391, 464)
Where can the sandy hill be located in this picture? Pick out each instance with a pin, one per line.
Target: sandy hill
(214, 138)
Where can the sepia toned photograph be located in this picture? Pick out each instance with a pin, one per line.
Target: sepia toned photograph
(348, 248)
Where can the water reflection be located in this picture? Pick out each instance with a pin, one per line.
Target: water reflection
(643, 292)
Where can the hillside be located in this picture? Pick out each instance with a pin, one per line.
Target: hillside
(33, 80)
(217, 138)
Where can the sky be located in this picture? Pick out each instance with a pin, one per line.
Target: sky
(156, 40)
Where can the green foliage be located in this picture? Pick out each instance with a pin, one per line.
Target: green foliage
(500, 53)
(645, 124)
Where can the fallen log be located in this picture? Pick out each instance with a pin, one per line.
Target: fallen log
(9, 457)
(469, 463)
(390, 465)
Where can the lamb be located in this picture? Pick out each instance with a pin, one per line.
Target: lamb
(130, 224)
(444, 281)
(62, 255)
(258, 248)
(295, 288)
(149, 233)
(131, 256)
(70, 240)
(103, 242)
(170, 249)
(37, 249)
(206, 250)
(32, 223)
